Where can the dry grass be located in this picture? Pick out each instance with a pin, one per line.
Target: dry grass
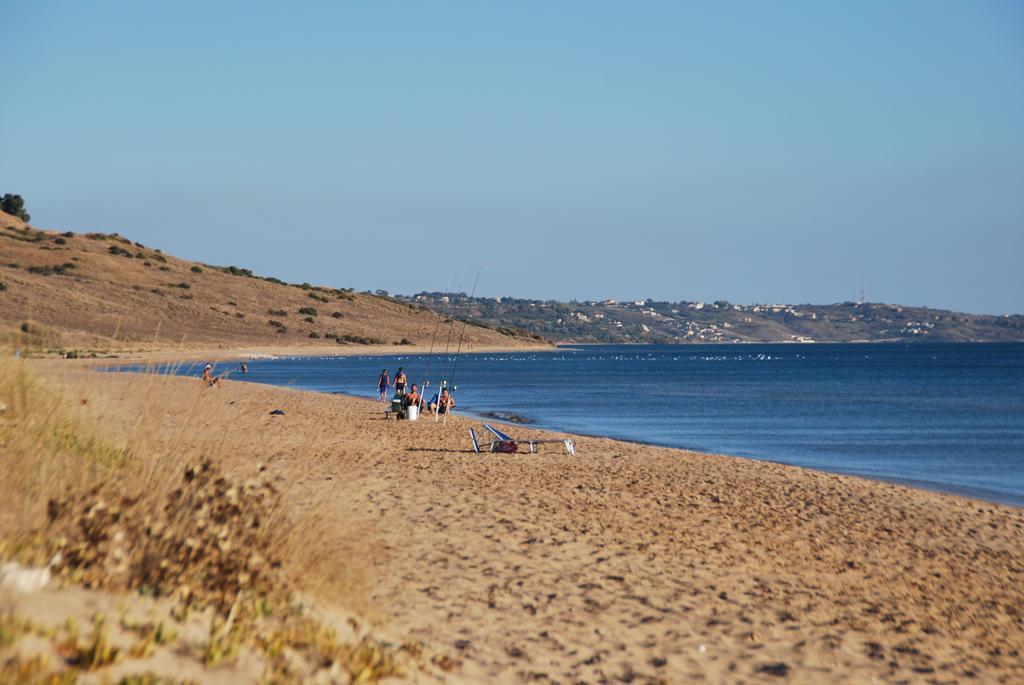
(46, 450)
(136, 504)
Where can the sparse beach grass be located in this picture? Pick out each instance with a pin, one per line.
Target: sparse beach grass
(138, 518)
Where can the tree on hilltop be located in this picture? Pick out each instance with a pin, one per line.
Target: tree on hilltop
(15, 206)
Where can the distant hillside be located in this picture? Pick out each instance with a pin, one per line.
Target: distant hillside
(101, 291)
(648, 321)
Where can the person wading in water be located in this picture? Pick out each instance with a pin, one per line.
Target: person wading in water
(383, 381)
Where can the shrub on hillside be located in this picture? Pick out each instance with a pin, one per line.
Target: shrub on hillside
(308, 311)
(15, 206)
(319, 298)
(235, 271)
(165, 268)
(49, 270)
(359, 340)
(197, 270)
(309, 319)
(277, 312)
(277, 324)
(3, 286)
(314, 334)
(183, 285)
(60, 241)
(338, 315)
(405, 341)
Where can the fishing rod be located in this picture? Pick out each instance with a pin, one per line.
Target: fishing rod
(447, 345)
(465, 322)
(430, 355)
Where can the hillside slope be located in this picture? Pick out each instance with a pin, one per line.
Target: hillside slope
(100, 291)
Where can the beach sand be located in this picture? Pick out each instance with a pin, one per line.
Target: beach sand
(624, 563)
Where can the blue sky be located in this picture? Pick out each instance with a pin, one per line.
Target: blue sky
(700, 151)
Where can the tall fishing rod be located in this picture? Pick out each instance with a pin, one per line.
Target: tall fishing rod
(447, 345)
(430, 355)
(465, 322)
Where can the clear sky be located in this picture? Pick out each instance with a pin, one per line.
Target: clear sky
(749, 151)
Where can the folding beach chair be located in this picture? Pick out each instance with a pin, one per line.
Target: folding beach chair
(507, 444)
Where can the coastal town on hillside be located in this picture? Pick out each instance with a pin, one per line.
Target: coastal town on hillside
(651, 321)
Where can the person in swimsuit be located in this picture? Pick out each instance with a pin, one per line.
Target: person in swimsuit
(446, 402)
(208, 376)
(400, 381)
(413, 397)
(383, 382)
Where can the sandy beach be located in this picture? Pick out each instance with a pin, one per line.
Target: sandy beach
(624, 563)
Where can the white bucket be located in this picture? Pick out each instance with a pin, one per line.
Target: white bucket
(412, 412)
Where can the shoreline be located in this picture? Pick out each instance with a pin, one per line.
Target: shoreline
(250, 352)
(235, 354)
(937, 488)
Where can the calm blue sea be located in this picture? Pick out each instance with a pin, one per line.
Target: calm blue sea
(945, 416)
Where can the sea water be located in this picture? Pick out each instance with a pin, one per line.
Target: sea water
(942, 416)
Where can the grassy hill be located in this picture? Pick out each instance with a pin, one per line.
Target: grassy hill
(103, 291)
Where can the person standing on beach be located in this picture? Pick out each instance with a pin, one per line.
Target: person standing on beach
(400, 381)
(208, 376)
(383, 382)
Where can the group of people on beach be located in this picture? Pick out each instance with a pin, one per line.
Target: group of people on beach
(441, 402)
(212, 380)
(408, 394)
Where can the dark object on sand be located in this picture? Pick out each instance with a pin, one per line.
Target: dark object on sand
(277, 412)
(780, 669)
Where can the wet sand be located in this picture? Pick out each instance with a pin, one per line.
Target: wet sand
(624, 563)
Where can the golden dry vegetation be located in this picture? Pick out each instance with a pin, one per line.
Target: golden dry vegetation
(168, 563)
(104, 292)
